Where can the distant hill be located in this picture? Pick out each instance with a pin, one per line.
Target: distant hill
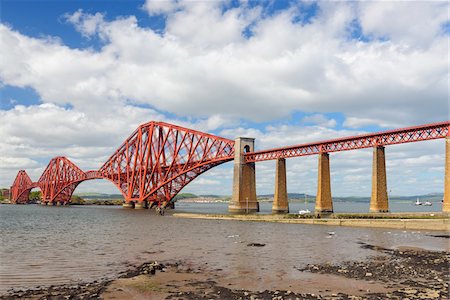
(88, 196)
(293, 197)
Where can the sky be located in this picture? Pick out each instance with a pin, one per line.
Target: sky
(77, 77)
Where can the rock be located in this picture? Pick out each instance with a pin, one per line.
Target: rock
(368, 274)
(255, 245)
(429, 294)
(409, 291)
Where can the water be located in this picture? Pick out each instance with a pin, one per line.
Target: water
(294, 207)
(43, 245)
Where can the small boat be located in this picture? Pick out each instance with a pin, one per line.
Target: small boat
(427, 203)
(306, 210)
(418, 202)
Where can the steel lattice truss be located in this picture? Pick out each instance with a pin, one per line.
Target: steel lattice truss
(153, 164)
(59, 180)
(21, 187)
(392, 137)
(159, 159)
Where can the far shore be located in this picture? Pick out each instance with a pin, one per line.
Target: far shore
(408, 221)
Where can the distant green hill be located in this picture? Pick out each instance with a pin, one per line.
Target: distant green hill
(293, 197)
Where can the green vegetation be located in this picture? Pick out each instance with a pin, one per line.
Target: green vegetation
(146, 286)
(184, 196)
(35, 196)
(77, 200)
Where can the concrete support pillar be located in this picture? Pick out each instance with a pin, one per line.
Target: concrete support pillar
(446, 203)
(244, 182)
(128, 204)
(324, 202)
(379, 200)
(280, 198)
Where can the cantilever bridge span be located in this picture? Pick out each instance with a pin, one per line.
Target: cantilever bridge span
(159, 159)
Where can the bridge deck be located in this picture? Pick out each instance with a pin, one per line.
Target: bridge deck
(391, 137)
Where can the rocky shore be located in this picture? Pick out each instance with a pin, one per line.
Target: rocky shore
(403, 274)
(407, 273)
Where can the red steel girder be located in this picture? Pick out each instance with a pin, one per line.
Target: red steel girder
(21, 187)
(59, 180)
(391, 137)
(159, 159)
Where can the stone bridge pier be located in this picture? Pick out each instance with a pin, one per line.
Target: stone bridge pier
(379, 200)
(244, 185)
(244, 181)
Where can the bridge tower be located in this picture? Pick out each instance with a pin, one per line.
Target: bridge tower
(244, 181)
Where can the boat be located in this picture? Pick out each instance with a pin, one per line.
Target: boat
(427, 203)
(418, 202)
(306, 210)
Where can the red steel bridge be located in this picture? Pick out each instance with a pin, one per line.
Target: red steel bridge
(159, 159)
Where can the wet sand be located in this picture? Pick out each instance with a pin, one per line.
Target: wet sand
(405, 273)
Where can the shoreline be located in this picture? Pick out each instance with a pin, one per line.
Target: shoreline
(389, 274)
(407, 221)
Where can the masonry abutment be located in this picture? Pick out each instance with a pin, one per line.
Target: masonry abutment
(128, 204)
(446, 203)
(280, 198)
(244, 181)
(324, 202)
(379, 200)
(139, 205)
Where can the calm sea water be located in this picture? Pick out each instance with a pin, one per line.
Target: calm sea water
(42, 245)
(339, 207)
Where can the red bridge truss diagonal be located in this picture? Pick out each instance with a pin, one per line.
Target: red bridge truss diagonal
(153, 164)
(159, 159)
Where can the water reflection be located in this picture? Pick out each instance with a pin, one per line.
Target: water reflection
(53, 245)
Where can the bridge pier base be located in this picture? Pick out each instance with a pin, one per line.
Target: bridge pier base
(139, 205)
(446, 203)
(244, 181)
(280, 198)
(379, 200)
(324, 201)
(128, 204)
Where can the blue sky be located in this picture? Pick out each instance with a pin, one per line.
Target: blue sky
(78, 76)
